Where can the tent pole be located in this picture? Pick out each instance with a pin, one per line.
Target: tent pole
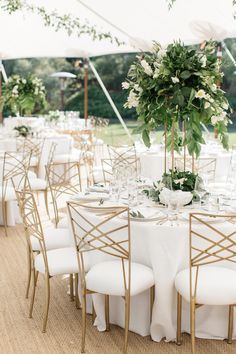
(110, 99)
(86, 91)
(1, 116)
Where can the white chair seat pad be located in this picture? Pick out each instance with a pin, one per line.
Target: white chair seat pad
(107, 278)
(8, 195)
(38, 184)
(60, 261)
(215, 285)
(63, 223)
(54, 238)
(63, 158)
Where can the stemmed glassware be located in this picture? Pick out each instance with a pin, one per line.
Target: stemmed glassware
(200, 189)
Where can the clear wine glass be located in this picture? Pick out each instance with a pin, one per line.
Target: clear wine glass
(200, 188)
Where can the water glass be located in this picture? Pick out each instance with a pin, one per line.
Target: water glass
(114, 191)
(132, 189)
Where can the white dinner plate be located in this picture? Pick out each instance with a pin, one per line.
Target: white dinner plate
(86, 197)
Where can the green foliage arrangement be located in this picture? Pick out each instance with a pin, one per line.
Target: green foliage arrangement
(23, 95)
(23, 130)
(176, 85)
(180, 180)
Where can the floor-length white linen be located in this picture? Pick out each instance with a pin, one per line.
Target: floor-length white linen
(164, 249)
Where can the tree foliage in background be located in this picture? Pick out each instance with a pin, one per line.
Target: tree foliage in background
(113, 70)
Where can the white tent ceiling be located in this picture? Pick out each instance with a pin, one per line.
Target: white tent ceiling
(136, 23)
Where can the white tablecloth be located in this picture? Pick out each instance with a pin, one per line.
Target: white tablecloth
(165, 250)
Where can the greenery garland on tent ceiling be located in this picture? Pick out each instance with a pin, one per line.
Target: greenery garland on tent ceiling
(67, 22)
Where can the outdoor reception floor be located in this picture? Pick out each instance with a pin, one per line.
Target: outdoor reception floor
(21, 335)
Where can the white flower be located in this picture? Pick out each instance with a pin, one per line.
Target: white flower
(23, 81)
(225, 105)
(214, 120)
(125, 85)
(203, 61)
(138, 88)
(147, 67)
(132, 100)
(200, 94)
(180, 181)
(214, 87)
(175, 79)
(207, 105)
(156, 73)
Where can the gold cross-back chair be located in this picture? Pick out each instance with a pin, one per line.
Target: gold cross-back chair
(107, 237)
(211, 276)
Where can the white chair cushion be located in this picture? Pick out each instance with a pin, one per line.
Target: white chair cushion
(215, 286)
(63, 223)
(8, 195)
(63, 158)
(54, 238)
(60, 261)
(38, 184)
(31, 174)
(107, 278)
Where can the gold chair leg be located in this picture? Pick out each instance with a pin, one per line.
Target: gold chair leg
(107, 312)
(33, 275)
(152, 298)
(4, 216)
(46, 201)
(127, 316)
(77, 302)
(83, 321)
(192, 325)
(71, 288)
(179, 319)
(230, 327)
(47, 301)
(29, 272)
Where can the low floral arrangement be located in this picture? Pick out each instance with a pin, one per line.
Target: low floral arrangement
(53, 116)
(179, 85)
(180, 180)
(24, 95)
(23, 130)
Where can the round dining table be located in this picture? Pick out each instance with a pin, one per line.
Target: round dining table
(164, 247)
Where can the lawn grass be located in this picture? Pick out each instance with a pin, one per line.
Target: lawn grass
(114, 134)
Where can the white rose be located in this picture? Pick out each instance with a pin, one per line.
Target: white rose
(132, 100)
(175, 79)
(147, 68)
(207, 105)
(200, 94)
(214, 120)
(203, 61)
(125, 85)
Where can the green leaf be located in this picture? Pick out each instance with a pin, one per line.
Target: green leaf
(185, 74)
(146, 138)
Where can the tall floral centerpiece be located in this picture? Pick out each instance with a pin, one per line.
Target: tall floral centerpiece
(178, 87)
(24, 95)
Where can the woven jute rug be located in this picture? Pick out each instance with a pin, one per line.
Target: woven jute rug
(21, 335)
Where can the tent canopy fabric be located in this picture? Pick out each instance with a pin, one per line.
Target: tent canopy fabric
(23, 34)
